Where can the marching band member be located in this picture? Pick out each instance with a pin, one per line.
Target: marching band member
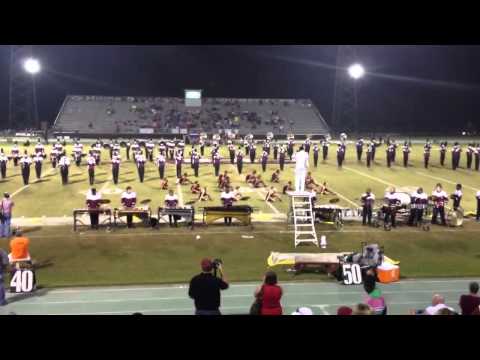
(477, 157)
(171, 202)
(406, 152)
(196, 163)
(97, 152)
(116, 147)
(128, 145)
(281, 158)
(195, 188)
(64, 164)
(192, 154)
(252, 151)
(216, 162)
(469, 152)
(162, 148)
(178, 163)
(340, 154)
(440, 198)
(58, 146)
(201, 143)
(275, 151)
(324, 190)
(392, 201)
(77, 153)
(204, 196)
(183, 180)
(135, 148)
(456, 153)
(54, 158)
(171, 149)
(315, 155)
(290, 148)
(25, 163)
(272, 195)
(15, 154)
(306, 145)
(258, 182)
(93, 203)
(128, 201)
(359, 147)
(426, 154)
(150, 146)
(478, 205)
(227, 199)
(457, 196)
(140, 160)
(264, 160)
(250, 178)
(115, 166)
(443, 152)
(369, 153)
(109, 145)
(38, 159)
(91, 163)
(390, 151)
(419, 202)
(39, 148)
(231, 150)
(276, 176)
(287, 187)
(239, 161)
(374, 148)
(164, 184)
(325, 146)
(394, 155)
(160, 162)
(3, 164)
(368, 200)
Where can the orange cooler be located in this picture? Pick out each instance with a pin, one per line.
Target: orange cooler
(388, 273)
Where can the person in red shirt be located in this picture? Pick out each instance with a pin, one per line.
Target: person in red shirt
(271, 294)
(470, 303)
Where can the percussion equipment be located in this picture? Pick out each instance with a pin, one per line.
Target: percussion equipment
(187, 213)
(241, 213)
(142, 214)
(455, 218)
(329, 214)
(77, 216)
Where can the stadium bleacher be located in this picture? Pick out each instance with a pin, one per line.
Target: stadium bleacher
(136, 115)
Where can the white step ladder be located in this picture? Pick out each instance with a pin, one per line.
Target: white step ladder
(303, 218)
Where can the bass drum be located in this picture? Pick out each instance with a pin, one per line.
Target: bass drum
(455, 218)
(404, 198)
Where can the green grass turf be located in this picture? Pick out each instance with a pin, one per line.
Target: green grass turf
(144, 256)
(50, 198)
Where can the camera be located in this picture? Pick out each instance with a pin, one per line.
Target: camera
(216, 264)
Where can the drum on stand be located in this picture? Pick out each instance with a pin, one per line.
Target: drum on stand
(455, 218)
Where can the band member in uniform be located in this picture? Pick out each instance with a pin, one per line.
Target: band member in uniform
(239, 161)
(246, 145)
(93, 203)
(426, 154)
(3, 164)
(64, 164)
(116, 147)
(340, 154)
(406, 152)
(204, 196)
(374, 148)
(307, 145)
(440, 198)
(15, 154)
(171, 202)
(368, 200)
(195, 188)
(171, 149)
(456, 152)
(77, 153)
(128, 201)
(325, 146)
(216, 162)
(128, 145)
(370, 148)
(54, 158)
(231, 150)
(25, 163)
(390, 150)
(252, 151)
(266, 146)
(115, 166)
(38, 159)
(457, 197)
(227, 199)
(315, 155)
(91, 163)
(469, 152)
(196, 163)
(443, 152)
(287, 187)
(162, 148)
(109, 146)
(140, 160)
(98, 152)
(359, 146)
(160, 162)
(59, 147)
(275, 151)
(419, 202)
(202, 147)
(135, 148)
(394, 155)
(272, 195)
(290, 148)
(391, 201)
(301, 167)
(477, 157)
(178, 164)
(264, 161)
(281, 157)
(276, 176)
(150, 146)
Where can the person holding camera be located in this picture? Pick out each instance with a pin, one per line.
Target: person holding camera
(205, 288)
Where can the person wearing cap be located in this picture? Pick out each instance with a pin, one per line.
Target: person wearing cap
(270, 294)
(6, 206)
(205, 289)
(303, 311)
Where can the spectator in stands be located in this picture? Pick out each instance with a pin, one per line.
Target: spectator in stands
(362, 309)
(344, 311)
(438, 303)
(270, 293)
(19, 248)
(6, 206)
(374, 297)
(205, 289)
(303, 311)
(446, 311)
(471, 302)
(3, 267)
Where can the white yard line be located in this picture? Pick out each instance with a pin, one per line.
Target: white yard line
(270, 205)
(370, 177)
(342, 196)
(27, 186)
(180, 195)
(445, 180)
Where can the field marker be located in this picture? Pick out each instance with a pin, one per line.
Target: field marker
(447, 181)
(26, 186)
(370, 177)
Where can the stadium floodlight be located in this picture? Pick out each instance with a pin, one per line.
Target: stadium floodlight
(356, 71)
(32, 66)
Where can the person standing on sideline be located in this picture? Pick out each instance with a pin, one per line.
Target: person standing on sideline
(4, 263)
(6, 206)
(205, 289)
(270, 294)
(301, 166)
(368, 200)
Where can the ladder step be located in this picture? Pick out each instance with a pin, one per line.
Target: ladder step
(311, 225)
(301, 203)
(305, 233)
(303, 217)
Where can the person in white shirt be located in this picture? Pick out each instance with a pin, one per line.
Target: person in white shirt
(457, 197)
(171, 202)
(438, 303)
(392, 201)
(301, 166)
(227, 197)
(419, 202)
(93, 203)
(3, 164)
(64, 163)
(440, 198)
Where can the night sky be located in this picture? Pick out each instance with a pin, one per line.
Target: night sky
(407, 87)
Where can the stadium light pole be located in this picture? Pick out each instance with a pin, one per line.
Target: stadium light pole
(356, 72)
(32, 66)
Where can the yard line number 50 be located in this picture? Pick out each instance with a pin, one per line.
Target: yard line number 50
(352, 274)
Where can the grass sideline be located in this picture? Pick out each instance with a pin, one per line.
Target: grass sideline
(144, 256)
